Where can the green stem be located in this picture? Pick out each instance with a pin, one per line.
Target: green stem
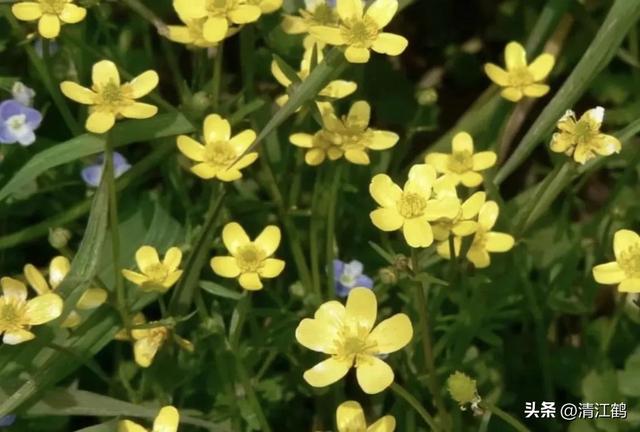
(216, 83)
(314, 231)
(411, 400)
(613, 324)
(508, 418)
(242, 309)
(331, 228)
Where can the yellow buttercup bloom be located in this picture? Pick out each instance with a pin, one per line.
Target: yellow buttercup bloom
(110, 100)
(219, 151)
(350, 418)
(462, 165)
(219, 15)
(50, 14)
(484, 241)
(58, 270)
(192, 32)
(582, 138)
(167, 420)
(361, 31)
(463, 224)
(336, 89)
(625, 270)
(521, 79)
(316, 13)
(412, 208)
(250, 261)
(319, 147)
(156, 276)
(348, 335)
(18, 315)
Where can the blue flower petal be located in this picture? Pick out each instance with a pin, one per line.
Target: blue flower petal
(10, 108)
(34, 118)
(6, 136)
(364, 281)
(341, 290)
(338, 268)
(92, 175)
(353, 268)
(7, 421)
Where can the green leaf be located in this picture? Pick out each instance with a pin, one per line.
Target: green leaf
(220, 291)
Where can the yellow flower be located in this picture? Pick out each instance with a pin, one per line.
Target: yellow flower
(219, 15)
(521, 79)
(250, 260)
(266, 6)
(156, 276)
(625, 270)
(350, 418)
(463, 389)
(336, 89)
(582, 138)
(320, 146)
(192, 32)
(484, 241)
(463, 224)
(58, 270)
(17, 314)
(412, 208)
(462, 165)
(167, 421)
(51, 14)
(362, 31)
(348, 335)
(219, 151)
(110, 100)
(316, 13)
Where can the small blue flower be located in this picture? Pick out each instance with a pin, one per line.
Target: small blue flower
(348, 276)
(22, 93)
(18, 123)
(93, 173)
(7, 421)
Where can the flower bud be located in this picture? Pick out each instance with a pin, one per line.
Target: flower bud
(388, 275)
(463, 389)
(59, 237)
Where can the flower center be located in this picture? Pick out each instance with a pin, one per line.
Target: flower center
(221, 7)
(352, 342)
(630, 261)
(520, 77)
(250, 258)
(460, 162)
(348, 280)
(585, 132)
(11, 313)
(360, 32)
(16, 122)
(219, 153)
(112, 96)
(156, 272)
(54, 7)
(411, 205)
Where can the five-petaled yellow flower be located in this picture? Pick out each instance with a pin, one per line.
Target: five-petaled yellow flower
(167, 420)
(361, 31)
(316, 13)
(51, 14)
(156, 276)
(220, 151)
(192, 32)
(484, 241)
(350, 418)
(336, 89)
(348, 335)
(18, 315)
(464, 223)
(58, 270)
(219, 15)
(250, 261)
(462, 165)
(110, 100)
(625, 270)
(582, 138)
(412, 208)
(521, 79)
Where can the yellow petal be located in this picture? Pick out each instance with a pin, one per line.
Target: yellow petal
(242, 141)
(536, 90)
(171, 279)
(392, 334)
(385, 424)
(471, 207)
(172, 258)
(216, 128)
(229, 175)
(245, 161)
(226, 266)
(27, 11)
(515, 56)
(349, 9)
(244, 14)
(317, 335)
(250, 281)
(462, 143)
(498, 242)
(36, 280)
(129, 426)
(78, 93)
(72, 14)
(279, 75)
(386, 219)
(382, 11)
(561, 142)
(484, 160)
(359, 115)
(479, 257)
(134, 277)
(215, 28)
(105, 72)
(146, 256)
(382, 140)
(180, 34)
(191, 9)
(350, 417)
(49, 26)
(471, 179)
(630, 285)
(624, 240)
(338, 89)
(92, 298)
(17, 336)
(357, 55)
(331, 313)
(72, 320)
(390, 44)
(167, 420)
(447, 207)
(234, 237)
(541, 66)
(139, 110)
(357, 156)
(100, 122)
(145, 350)
(384, 191)
(314, 157)
(43, 308)
(374, 375)
(269, 6)
(294, 25)
(582, 153)
(329, 35)
(488, 215)
(606, 145)
(362, 306)
(464, 228)
(440, 161)
(609, 273)
(512, 94)
(417, 232)
(58, 269)
(301, 140)
(205, 170)
(13, 289)
(269, 239)
(420, 180)
(191, 148)
(143, 84)
(327, 372)
(497, 74)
